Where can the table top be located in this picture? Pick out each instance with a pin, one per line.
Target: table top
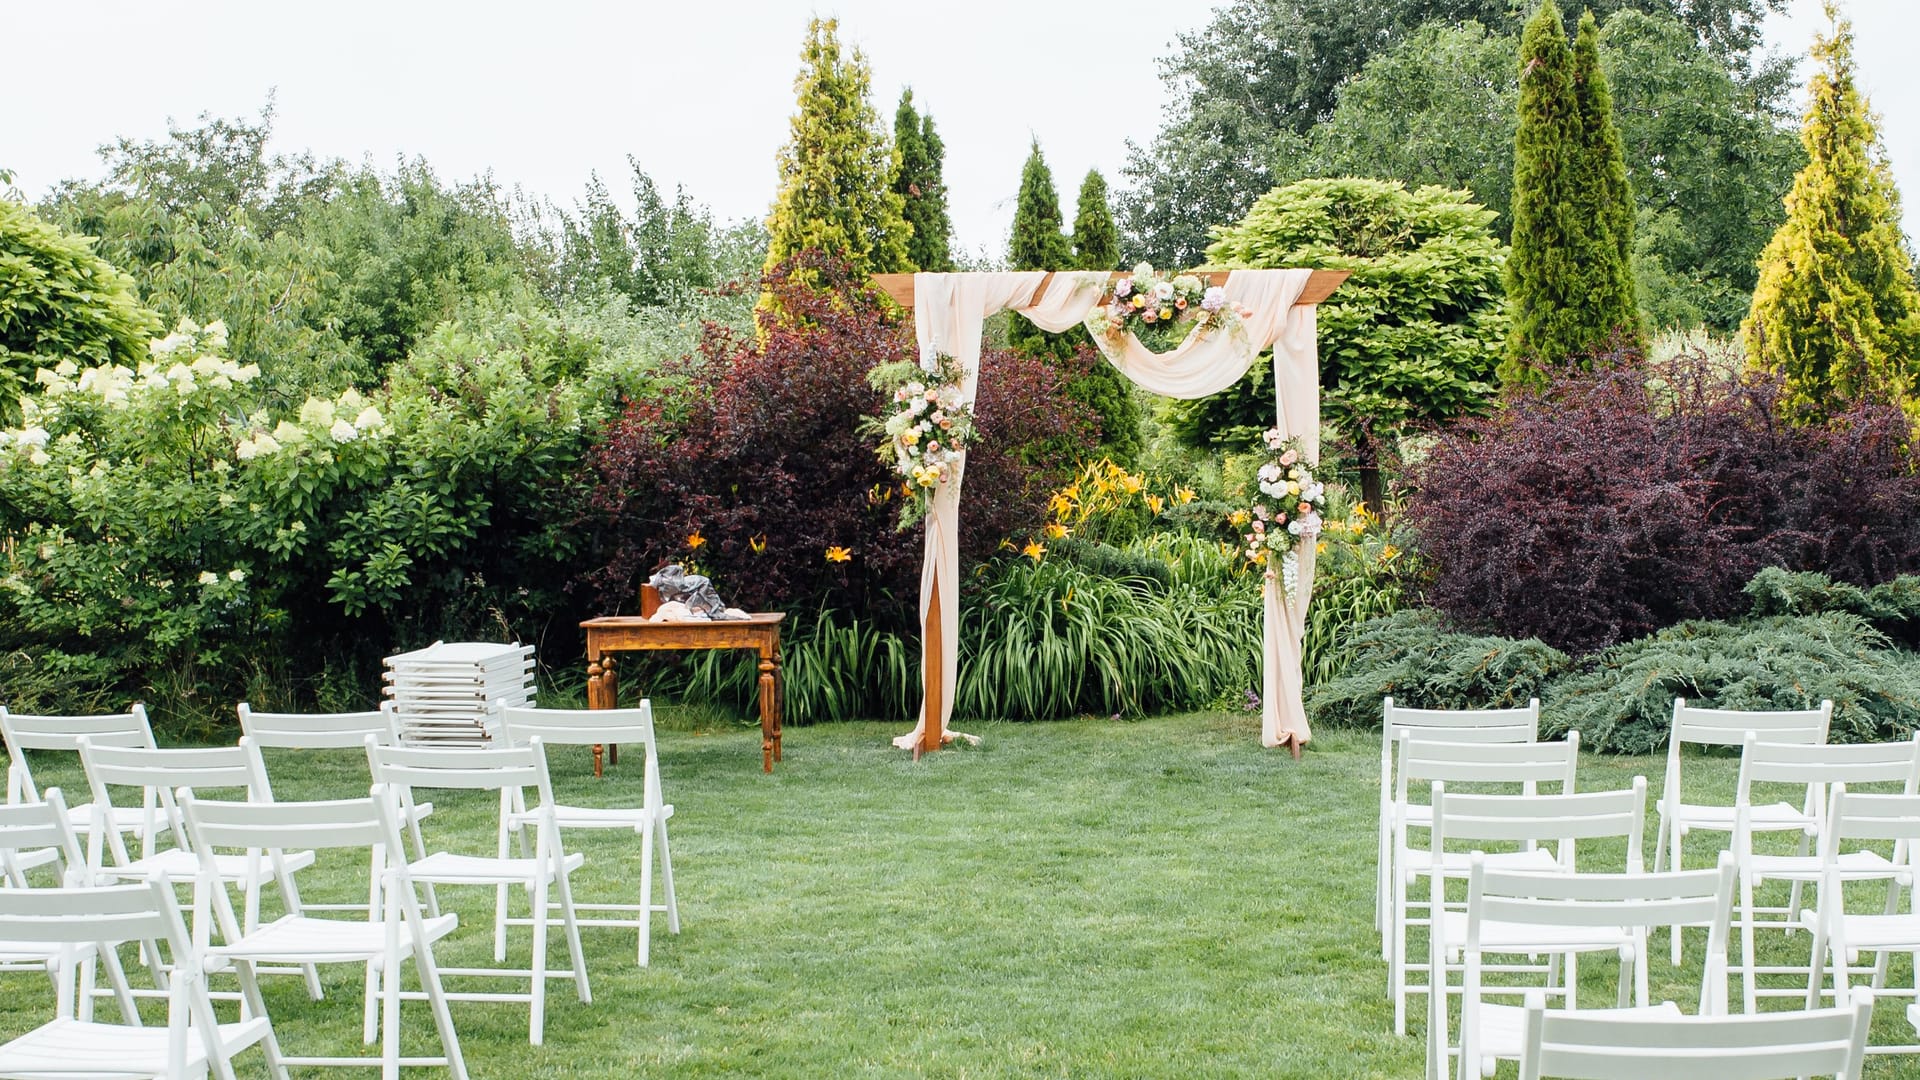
(632, 622)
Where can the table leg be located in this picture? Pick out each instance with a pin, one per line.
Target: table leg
(603, 692)
(779, 704)
(769, 717)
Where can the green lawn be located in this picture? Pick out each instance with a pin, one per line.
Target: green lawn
(1160, 898)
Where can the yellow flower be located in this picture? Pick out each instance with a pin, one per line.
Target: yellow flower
(695, 541)
(910, 437)
(1139, 301)
(1060, 505)
(1134, 483)
(1155, 502)
(1239, 518)
(1320, 548)
(1388, 554)
(1056, 531)
(1166, 313)
(1066, 600)
(758, 544)
(1185, 495)
(1358, 524)
(1033, 550)
(839, 554)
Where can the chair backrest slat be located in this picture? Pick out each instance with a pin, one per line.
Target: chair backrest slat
(75, 915)
(337, 823)
(1586, 815)
(316, 731)
(488, 769)
(1855, 763)
(1424, 760)
(1729, 727)
(578, 727)
(1760, 1046)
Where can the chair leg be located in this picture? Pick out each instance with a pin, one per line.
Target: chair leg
(666, 877)
(537, 1011)
(646, 898)
(370, 1007)
(501, 898)
(571, 926)
(1679, 864)
(1397, 959)
(1749, 974)
(1815, 972)
(390, 1007)
(429, 971)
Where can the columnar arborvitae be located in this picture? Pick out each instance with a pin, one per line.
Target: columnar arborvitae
(921, 188)
(836, 169)
(1603, 167)
(1836, 313)
(1546, 284)
(1096, 239)
(1037, 244)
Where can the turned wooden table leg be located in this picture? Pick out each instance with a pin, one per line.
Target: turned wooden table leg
(603, 692)
(769, 718)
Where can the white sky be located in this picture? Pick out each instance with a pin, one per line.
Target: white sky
(541, 95)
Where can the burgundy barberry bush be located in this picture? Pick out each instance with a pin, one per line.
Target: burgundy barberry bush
(1610, 503)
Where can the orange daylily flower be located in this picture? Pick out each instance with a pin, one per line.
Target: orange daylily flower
(695, 541)
(837, 553)
(1034, 550)
(1056, 531)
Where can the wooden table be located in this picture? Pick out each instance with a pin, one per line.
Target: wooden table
(628, 633)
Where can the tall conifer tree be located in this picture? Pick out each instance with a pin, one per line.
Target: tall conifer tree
(1836, 313)
(921, 187)
(1038, 243)
(837, 168)
(1545, 282)
(1096, 239)
(1607, 199)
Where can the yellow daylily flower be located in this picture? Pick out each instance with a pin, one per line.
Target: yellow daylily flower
(1154, 503)
(837, 553)
(1185, 495)
(1034, 550)
(758, 545)
(1056, 531)
(695, 541)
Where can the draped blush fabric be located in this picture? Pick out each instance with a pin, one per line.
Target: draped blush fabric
(948, 312)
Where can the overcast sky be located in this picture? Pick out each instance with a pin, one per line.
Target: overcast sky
(543, 94)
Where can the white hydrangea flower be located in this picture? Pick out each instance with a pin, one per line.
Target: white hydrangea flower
(369, 419)
(35, 436)
(217, 333)
(236, 574)
(208, 577)
(317, 413)
(207, 365)
(287, 432)
(343, 431)
(246, 373)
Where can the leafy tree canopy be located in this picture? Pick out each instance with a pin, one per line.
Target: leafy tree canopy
(920, 185)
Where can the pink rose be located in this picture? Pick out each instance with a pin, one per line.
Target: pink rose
(1303, 507)
(1289, 457)
(1280, 519)
(1260, 512)
(933, 395)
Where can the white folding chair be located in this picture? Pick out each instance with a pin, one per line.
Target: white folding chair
(1810, 770)
(193, 1043)
(337, 731)
(595, 727)
(390, 930)
(158, 774)
(1419, 761)
(1839, 936)
(1457, 725)
(1512, 912)
(26, 731)
(29, 832)
(1729, 727)
(1594, 1045)
(508, 771)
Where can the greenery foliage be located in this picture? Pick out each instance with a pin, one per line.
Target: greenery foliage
(921, 187)
(1411, 337)
(60, 301)
(1623, 703)
(1413, 657)
(1605, 199)
(1836, 312)
(1096, 239)
(837, 166)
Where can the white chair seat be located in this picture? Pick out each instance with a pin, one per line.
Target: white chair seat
(297, 939)
(1503, 1027)
(1504, 937)
(180, 865)
(1853, 866)
(70, 1047)
(127, 819)
(447, 868)
(1456, 863)
(596, 817)
(1900, 932)
(1768, 817)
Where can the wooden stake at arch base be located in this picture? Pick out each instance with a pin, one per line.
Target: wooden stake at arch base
(900, 287)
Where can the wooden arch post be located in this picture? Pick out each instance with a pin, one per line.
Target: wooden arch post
(900, 287)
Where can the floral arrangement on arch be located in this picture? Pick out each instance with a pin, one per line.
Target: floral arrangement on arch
(1161, 312)
(929, 430)
(1286, 511)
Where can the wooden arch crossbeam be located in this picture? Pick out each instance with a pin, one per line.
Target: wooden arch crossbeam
(1320, 285)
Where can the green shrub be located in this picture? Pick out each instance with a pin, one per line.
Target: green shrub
(1624, 703)
(1893, 607)
(1105, 560)
(1411, 656)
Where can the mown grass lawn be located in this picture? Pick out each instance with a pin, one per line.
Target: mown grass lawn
(1156, 898)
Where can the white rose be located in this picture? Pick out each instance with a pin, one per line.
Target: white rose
(1269, 472)
(1163, 290)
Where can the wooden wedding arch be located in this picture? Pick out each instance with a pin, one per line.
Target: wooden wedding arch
(1024, 295)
